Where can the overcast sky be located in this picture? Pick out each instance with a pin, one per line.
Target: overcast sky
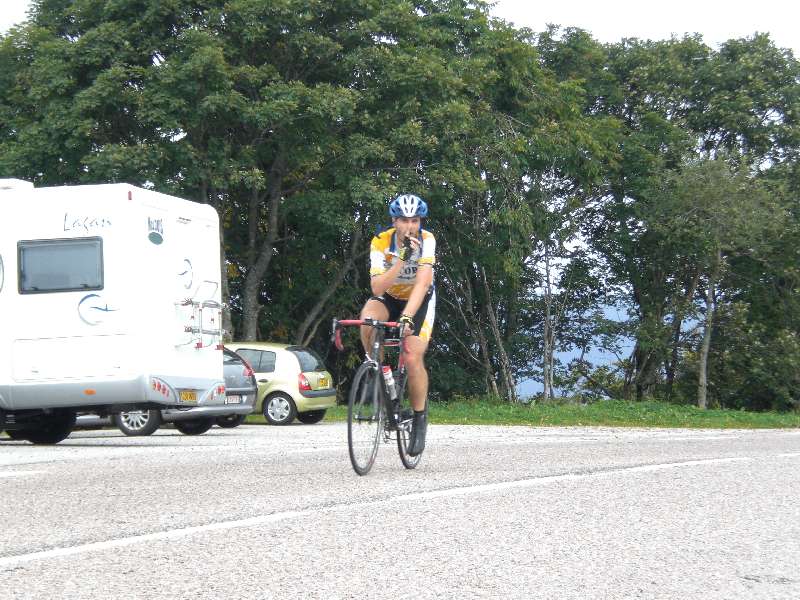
(610, 21)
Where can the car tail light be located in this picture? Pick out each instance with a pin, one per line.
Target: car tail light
(303, 383)
(248, 370)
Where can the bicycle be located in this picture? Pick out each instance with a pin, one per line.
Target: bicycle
(372, 406)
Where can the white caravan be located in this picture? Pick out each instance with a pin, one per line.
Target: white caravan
(109, 301)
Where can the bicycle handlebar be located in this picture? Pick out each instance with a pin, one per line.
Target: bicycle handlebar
(337, 327)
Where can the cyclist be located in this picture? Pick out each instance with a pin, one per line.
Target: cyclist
(401, 271)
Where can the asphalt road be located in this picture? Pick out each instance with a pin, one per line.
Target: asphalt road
(492, 512)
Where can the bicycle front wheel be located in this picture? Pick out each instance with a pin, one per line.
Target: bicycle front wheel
(364, 418)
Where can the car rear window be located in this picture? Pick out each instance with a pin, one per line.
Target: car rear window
(309, 360)
(261, 361)
(229, 357)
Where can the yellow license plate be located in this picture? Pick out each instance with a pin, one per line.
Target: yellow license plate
(323, 382)
(188, 396)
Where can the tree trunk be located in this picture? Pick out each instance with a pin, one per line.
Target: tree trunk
(464, 304)
(483, 343)
(259, 262)
(677, 324)
(705, 346)
(312, 331)
(547, 374)
(300, 336)
(505, 365)
(548, 337)
(645, 375)
(650, 355)
(487, 364)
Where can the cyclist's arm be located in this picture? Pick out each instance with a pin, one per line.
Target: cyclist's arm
(381, 283)
(422, 284)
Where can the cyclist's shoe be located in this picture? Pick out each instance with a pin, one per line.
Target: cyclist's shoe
(418, 429)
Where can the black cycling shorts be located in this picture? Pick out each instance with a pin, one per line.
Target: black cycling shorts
(423, 320)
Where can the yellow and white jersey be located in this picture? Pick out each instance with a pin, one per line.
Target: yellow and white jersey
(383, 254)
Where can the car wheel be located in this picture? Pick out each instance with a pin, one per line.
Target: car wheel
(230, 421)
(279, 409)
(54, 429)
(138, 422)
(194, 426)
(310, 417)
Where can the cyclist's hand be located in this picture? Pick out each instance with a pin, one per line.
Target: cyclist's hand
(409, 245)
(408, 324)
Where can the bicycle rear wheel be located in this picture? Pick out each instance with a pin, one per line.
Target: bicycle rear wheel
(404, 432)
(364, 418)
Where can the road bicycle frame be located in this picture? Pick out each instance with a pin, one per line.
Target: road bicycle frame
(391, 417)
(380, 341)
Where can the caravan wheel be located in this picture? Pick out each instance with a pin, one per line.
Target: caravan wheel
(230, 421)
(138, 422)
(53, 429)
(194, 427)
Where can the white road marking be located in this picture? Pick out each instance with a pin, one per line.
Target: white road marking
(552, 441)
(8, 561)
(18, 473)
(523, 483)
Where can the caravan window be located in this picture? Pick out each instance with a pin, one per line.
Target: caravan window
(60, 265)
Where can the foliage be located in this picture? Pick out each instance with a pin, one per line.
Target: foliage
(565, 176)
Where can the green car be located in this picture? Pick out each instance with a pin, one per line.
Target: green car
(292, 381)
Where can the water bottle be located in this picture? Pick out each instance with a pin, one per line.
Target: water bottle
(389, 377)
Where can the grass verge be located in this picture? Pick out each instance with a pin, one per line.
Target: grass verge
(610, 413)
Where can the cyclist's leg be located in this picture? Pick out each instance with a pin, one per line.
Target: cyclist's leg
(416, 347)
(417, 391)
(375, 308)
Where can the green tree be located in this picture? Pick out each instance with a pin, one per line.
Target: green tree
(706, 215)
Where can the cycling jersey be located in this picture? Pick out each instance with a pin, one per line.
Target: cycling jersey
(384, 253)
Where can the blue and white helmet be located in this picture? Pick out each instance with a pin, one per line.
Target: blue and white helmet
(408, 205)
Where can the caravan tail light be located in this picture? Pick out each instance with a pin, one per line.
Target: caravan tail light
(303, 383)
(160, 386)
